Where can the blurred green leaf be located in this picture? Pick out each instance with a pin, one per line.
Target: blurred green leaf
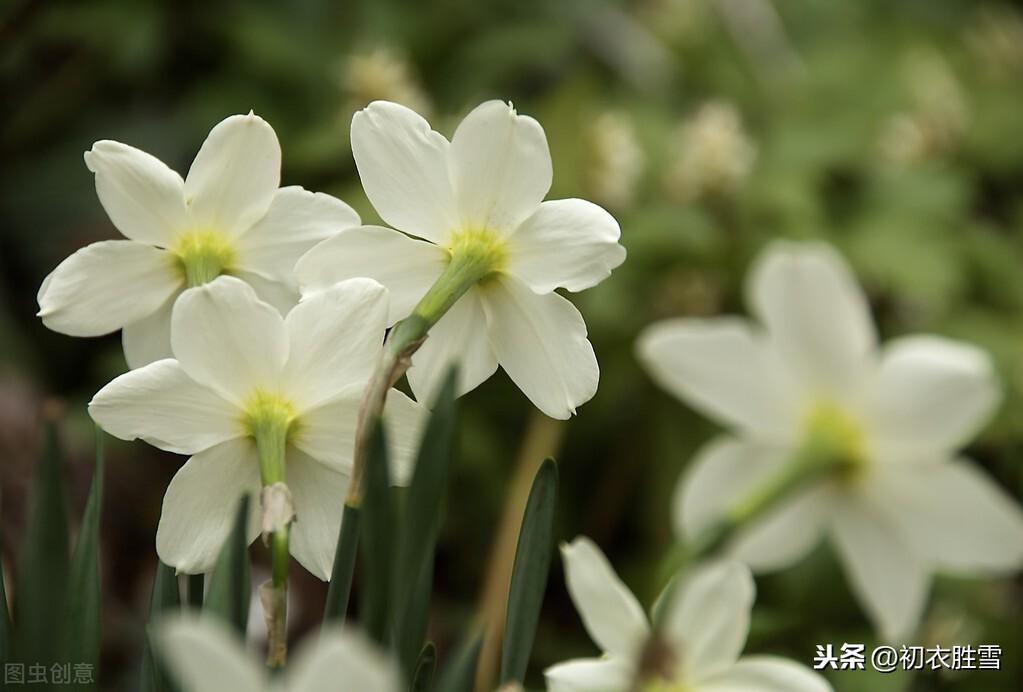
(340, 588)
(231, 582)
(6, 642)
(529, 574)
(378, 544)
(426, 664)
(166, 597)
(460, 673)
(196, 588)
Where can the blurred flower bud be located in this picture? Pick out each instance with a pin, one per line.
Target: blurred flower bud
(615, 160)
(996, 40)
(382, 74)
(713, 155)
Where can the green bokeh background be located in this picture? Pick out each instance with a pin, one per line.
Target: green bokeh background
(931, 217)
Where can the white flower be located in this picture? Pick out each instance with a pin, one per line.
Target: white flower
(205, 656)
(241, 370)
(480, 194)
(909, 507)
(704, 628)
(227, 217)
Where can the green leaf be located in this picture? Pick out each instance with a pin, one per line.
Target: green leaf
(84, 592)
(166, 597)
(460, 673)
(529, 573)
(340, 589)
(39, 608)
(426, 665)
(377, 539)
(230, 587)
(6, 632)
(423, 515)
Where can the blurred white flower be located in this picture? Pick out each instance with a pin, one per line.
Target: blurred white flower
(713, 155)
(704, 631)
(241, 371)
(205, 656)
(615, 160)
(382, 74)
(908, 507)
(477, 196)
(229, 216)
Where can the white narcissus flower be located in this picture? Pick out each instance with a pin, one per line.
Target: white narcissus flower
(908, 506)
(228, 216)
(704, 629)
(480, 196)
(205, 656)
(241, 371)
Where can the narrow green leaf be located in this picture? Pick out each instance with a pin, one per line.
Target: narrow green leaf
(230, 587)
(6, 630)
(377, 540)
(422, 520)
(340, 589)
(460, 673)
(84, 586)
(529, 573)
(166, 597)
(39, 608)
(426, 665)
(196, 584)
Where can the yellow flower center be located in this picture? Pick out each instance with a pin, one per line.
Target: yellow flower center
(271, 419)
(833, 432)
(203, 255)
(481, 251)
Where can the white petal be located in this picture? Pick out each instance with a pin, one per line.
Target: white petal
(342, 657)
(162, 405)
(280, 294)
(106, 285)
(708, 619)
(931, 394)
(403, 165)
(148, 340)
(816, 315)
(406, 266)
(296, 221)
(235, 174)
(885, 572)
(765, 674)
(722, 367)
(500, 166)
(142, 196)
(954, 515)
(205, 656)
(590, 675)
(201, 502)
(459, 337)
(541, 343)
(566, 243)
(723, 473)
(318, 492)
(335, 340)
(611, 614)
(227, 338)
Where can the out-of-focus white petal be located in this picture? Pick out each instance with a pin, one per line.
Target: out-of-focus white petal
(540, 341)
(318, 492)
(816, 316)
(723, 368)
(342, 658)
(566, 243)
(106, 285)
(765, 674)
(228, 339)
(147, 340)
(461, 337)
(201, 502)
(233, 178)
(500, 166)
(335, 340)
(403, 165)
(590, 675)
(708, 619)
(931, 394)
(280, 294)
(886, 573)
(162, 405)
(142, 196)
(205, 656)
(296, 221)
(612, 615)
(406, 266)
(723, 473)
(953, 515)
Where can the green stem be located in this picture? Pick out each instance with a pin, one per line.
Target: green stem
(340, 588)
(271, 435)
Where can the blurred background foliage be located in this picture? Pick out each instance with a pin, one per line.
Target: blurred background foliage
(708, 127)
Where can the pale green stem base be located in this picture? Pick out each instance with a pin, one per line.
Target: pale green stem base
(271, 442)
